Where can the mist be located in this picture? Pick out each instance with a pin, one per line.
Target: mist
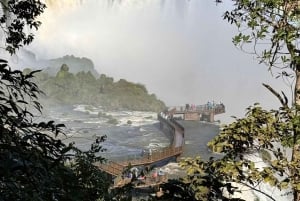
(180, 50)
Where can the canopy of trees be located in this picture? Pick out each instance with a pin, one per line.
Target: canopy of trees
(84, 88)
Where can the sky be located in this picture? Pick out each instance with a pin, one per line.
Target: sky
(181, 50)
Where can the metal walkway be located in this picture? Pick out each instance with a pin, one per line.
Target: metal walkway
(117, 168)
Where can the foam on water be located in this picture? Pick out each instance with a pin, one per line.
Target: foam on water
(90, 109)
(247, 193)
(156, 145)
(137, 118)
(84, 124)
(277, 194)
(95, 121)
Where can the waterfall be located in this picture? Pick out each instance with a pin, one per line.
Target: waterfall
(56, 4)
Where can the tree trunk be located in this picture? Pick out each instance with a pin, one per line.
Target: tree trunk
(297, 87)
(296, 148)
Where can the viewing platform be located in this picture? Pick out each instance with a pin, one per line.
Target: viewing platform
(192, 112)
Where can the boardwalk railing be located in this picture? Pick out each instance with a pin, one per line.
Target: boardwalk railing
(201, 109)
(116, 168)
(171, 122)
(112, 168)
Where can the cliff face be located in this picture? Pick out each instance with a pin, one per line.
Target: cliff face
(84, 88)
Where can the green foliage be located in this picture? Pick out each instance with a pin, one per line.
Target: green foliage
(176, 190)
(124, 193)
(33, 162)
(206, 180)
(264, 130)
(92, 183)
(273, 23)
(16, 16)
(258, 132)
(265, 155)
(270, 30)
(84, 88)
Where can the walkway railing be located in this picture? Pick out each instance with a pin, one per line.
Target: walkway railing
(171, 122)
(201, 109)
(116, 168)
(112, 168)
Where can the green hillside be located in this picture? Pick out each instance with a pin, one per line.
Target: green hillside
(84, 88)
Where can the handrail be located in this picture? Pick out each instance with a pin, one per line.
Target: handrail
(112, 167)
(171, 122)
(206, 108)
(115, 168)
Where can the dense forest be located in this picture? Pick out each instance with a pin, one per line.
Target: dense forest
(84, 88)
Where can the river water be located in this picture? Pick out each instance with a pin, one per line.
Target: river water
(124, 141)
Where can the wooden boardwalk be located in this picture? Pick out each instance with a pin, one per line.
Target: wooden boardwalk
(117, 168)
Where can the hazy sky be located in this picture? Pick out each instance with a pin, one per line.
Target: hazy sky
(181, 50)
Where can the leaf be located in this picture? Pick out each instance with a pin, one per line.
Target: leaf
(284, 185)
(3, 61)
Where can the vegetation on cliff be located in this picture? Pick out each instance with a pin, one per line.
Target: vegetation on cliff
(84, 88)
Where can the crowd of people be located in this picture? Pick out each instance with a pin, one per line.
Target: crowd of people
(208, 106)
(143, 176)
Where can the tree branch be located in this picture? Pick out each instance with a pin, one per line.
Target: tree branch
(265, 194)
(283, 100)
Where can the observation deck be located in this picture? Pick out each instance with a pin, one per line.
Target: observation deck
(192, 112)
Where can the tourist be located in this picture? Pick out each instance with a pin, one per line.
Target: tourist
(150, 154)
(143, 152)
(154, 175)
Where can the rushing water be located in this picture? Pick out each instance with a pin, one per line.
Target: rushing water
(83, 125)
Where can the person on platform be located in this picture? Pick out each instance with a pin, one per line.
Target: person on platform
(150, 154)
